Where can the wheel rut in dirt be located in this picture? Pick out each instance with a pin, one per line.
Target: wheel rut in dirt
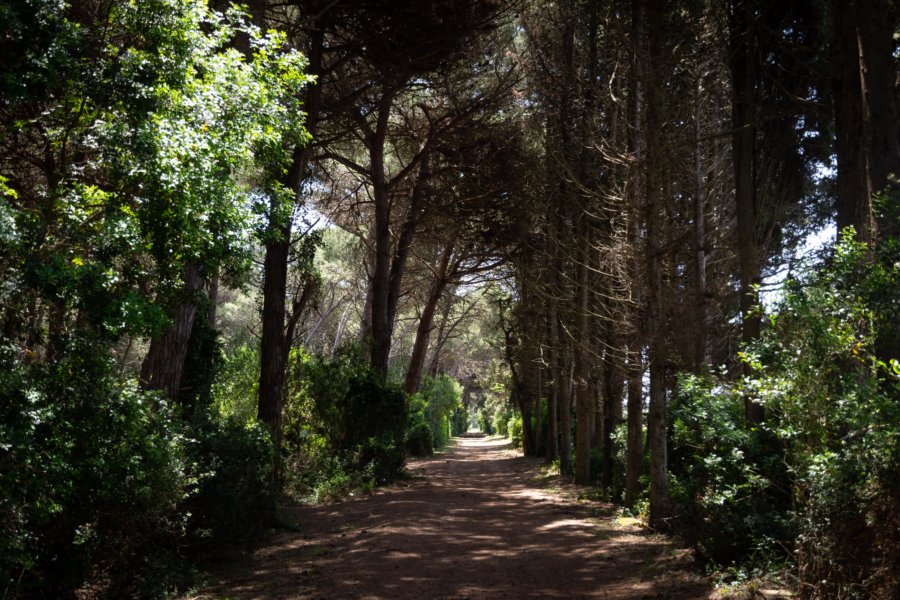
(477, 521)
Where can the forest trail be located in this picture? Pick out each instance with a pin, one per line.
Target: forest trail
(477, 521)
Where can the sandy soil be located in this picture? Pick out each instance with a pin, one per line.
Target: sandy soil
(477, 521)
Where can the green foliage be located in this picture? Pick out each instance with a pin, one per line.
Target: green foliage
(441, 396)
(834, 396)
(92, 471)
(137, 134)
(824, 465)
(235, 494)
(235, 390)
(500, 420)
(459, 421)
(727, 481)
(340, 408)
(419, 435)
(102, 482)
(514, 429)
(485, 423)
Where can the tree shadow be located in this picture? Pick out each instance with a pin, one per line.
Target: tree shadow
(478, 524)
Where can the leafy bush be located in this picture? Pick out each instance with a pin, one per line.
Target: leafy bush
(340, 407)
(514, 427)
(92, 473)
(441, 396)
(500, 420)
(459, 422)
(235, 495)
(833, 391)
(726, 481)
(419, 436)
(485, 423)
(825, 464)
(235, 391)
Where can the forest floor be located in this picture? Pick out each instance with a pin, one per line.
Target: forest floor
(476, 521)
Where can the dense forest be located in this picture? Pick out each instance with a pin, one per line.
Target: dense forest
(262, 254)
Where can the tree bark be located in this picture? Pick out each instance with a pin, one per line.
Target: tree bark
(380, 343)
(584, 403)
(274, 343)
(612, 397)
(743, 73)
(635, 442)
(699, 334)
(634, 451)
(555, 376)
(866, 110)
(426, 320)
(657, 421)
(164, 364)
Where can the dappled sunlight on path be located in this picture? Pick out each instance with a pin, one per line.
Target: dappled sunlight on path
(477, 521)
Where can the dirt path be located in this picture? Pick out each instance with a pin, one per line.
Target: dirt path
(475, 522)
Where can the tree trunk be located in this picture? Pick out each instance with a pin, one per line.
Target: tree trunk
(698, 335)
(565, 416)
(584, 403)
(657, 421)
(213, 300)
(612, 397)
(380, 343)
(538, 410)
(743, 72)
(635, 441)
(164, 364)
(634, 451)
(555, 376)
(426, 321)
(866, 107)
(273, 343)
(404, 243)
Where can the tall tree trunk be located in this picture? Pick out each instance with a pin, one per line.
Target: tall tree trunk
(164, 364)
(565, 414)
(538, 410)
(426, 320)
(441, 338)
(743, 72)
(555, 376)
(380, 343)
(635, 441)
(657, 418)
(699, 334)
(273, 343)
(612, 397)
(866, 110)
(211, 313)
(584, 402)
(634, 451)
(404, 243)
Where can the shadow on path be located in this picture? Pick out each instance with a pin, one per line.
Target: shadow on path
(474, 522)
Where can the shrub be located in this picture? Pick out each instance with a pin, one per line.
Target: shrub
(339, 407)
(459, 423)
(419, 437)
(441, 395)
(826, 378)
(514, 427)
(500, 420)
(235, 494)
(484, 423)
(92, 473)
(727, 482)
